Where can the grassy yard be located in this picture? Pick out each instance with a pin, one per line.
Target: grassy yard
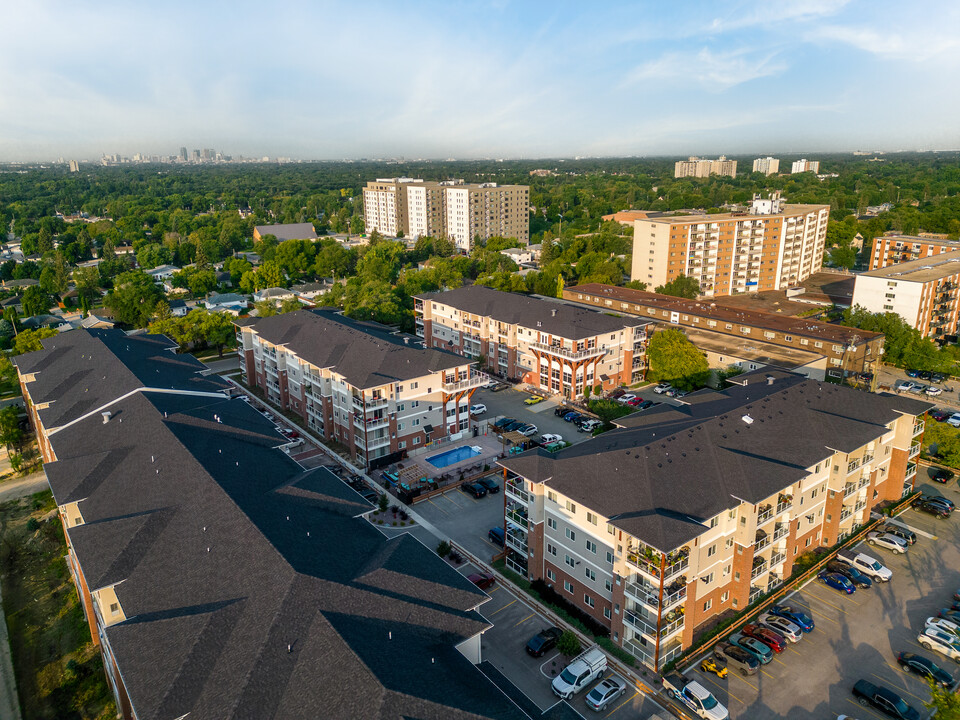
(59, 670)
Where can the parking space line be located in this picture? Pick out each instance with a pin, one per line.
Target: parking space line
(525, 619)
(883, 679)
(918, 531)
(743, 679)
(430, 500)
(767, 674)
(721, 687)
(622, 704)
(865, 707)
(827, 602)
(503, 608)
(776, 659)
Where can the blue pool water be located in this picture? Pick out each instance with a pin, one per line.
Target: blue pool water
(441, 460)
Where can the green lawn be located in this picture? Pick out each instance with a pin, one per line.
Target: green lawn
(59, 671)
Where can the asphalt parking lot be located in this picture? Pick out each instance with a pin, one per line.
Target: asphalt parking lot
(510, 403)
(466, 519)
(514, 623)
(858, 636)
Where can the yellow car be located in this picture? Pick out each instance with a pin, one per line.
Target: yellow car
(533, 400)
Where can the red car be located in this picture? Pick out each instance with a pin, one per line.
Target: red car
(293, 434)
(940, 415)
(635, 401)
(772, 640)
(482, 580)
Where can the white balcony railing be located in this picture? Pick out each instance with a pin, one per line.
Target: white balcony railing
(474, 381)
(567, 353)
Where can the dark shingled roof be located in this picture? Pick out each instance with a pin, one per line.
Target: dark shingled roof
(556, 318)
(364, 356)
(250, 587)
(78, 372)
(670, 469)
(289, 231)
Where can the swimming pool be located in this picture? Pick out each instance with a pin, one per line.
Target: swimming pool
(449, 457)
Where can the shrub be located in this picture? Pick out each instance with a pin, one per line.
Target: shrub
(383, 502)
(443, 549)
(568, 644)
(33, 524)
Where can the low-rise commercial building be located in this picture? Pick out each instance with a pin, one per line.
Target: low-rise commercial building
(746, 337)
(691, 512)
(923, 292)
(772, 247)
(286, 231)
(220, 578)
(548, 344)
(894, 248)
(366, 388)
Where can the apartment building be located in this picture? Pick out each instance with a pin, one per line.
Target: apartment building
(772, 247)
(549, 344)
(748, 338)
(219, 577)
(702, 167)
(360, 385)
(461, 211)
(923, 292)
(690, 512)
(805, 165)
(767, 165)
(894, 248)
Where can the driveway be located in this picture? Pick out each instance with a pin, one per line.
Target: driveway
(466, 519)
(859, 635)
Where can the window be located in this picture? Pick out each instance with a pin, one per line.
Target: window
(571, 534)
(114, 608)
(588, 600)
(707, 579)
(551, 575)
(399, 426)
(416, 423)
(714, 522)
(552, 496)
(589, 574)
(729, 543)
(726, 570)
(609, 557)
(568, 586)
(402, 444)
(569, 561)
(707, 605)
(712, 550)
(571, 507)
(591, 518)
(592, 546)
(724, 596)
(551, 523)
(608, 586)
(552, 549)
(416, 441)
(606, 613)
(610, 529)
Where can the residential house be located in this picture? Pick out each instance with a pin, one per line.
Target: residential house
(229, 302)
(276, 294)
(309, 292)
(178, 308)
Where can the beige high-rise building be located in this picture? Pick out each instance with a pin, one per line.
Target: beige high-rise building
(702, 168)
(460, 211)
(805, 166)
(772, 247)
(767, 165)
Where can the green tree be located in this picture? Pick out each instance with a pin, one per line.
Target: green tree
(29, 340)
(217, 330)
(675, 359)
(10, 433)
(945, 702)
(35, 301)
(87, 281)
(568, 644)
(845, 257)
(681, 286)
(133, 298)
(268, 275)
(635, 285)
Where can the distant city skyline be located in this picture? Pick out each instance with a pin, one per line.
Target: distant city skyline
(477, 80)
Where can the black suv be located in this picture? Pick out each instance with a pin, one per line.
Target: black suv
(944, 476)
(884, 700)
(908, 536)
(544, 640)
(931, 507)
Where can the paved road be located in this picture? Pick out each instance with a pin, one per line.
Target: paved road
(12, 489)
(890, 376)
(230, 363)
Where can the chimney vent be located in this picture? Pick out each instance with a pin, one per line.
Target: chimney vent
(747, 419)
(106, 416)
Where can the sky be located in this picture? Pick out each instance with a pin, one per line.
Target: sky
(419, 79)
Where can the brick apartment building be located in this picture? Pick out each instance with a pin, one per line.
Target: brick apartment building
(550, 344)
(772, 247)
(220, 578)
(924, 292)
(693, 511)
(703, 168)
(746, 337)
(358, 384)
(894, 248)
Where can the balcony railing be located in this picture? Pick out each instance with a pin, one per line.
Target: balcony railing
(519, 516)
(653, 569)
(755, 593)
(864, 481)
(517, 492)
(780, 531)
(783, 506)
(567, 353)
(672, 627)
(911, 470)
(913, 451)
(845, 513)
(762, 542)
(765, 514)
(516, 542)
(849, 489)
(861, 504)
(639, 623)
(475, 380)
(777, 558)
(918, 427)
(759, 570)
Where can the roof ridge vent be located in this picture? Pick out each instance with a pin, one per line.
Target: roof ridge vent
(747, 419)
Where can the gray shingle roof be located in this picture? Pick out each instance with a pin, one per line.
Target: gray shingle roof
(556, 318)
(670, 469)
(250, 587)
(366, 357)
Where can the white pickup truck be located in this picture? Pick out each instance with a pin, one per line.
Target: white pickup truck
(585, 668)
(869, 566)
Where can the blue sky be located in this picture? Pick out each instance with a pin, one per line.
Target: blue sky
(319, 80)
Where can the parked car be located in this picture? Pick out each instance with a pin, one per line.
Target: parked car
(503, 422)
(788, 630)
(737, 657)
(499, 386)
(884, 700)
(573, 416)
(768, 637)
(868, 565)
(550, 438)
(940, 415)
(933, 391)
(489, 484)
(533, 400)
(851, 573)
(951, 615)
(694, 696)
(918, 388)
(761, 651)
(583, 670)
(887, 541)
(905, 386)
(478, 409)
(946, 626)
(954, 420)
(937, 377)
(837, 582)
(635, 402)
(912, 373)
(606, 692)
(588, 425)
(482, 580)
(510, 427)
(646, 404)
(946, 502)
(625, 398)
(944, 643)
(618, 392)
(369, 494)
(662, 388)
(794, 615)
(495, 535)
(932, 508)
(901, 532)
(475, 489)
(944, 476)
(543, 641)
(911, 662)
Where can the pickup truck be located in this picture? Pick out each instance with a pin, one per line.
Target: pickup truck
(867, 565)
(884, 700)
(694, 697)
(585, 668)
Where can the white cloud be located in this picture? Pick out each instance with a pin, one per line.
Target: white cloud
(908, 45)
(707, 69)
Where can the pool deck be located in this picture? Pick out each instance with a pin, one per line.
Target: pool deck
(490, 446)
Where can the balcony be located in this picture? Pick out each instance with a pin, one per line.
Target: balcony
(652, 568)
(517, 542)
(845, 513)
(913, 451)
(515, 491)
(911, 471)
(474, 381)
(766, 513)
(777, 559)
(639, 623)
(671, 628)
(918, 427)
(784, 503)
(518, 515)
(560, 351)
(762, 540)
(861, 504)
(759, 568)
(864, 481)
(780, 531)
(849, 489)
(755, 593)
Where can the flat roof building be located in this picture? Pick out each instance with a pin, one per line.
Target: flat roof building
(704, 168)
(767, 165)
(286, 231)
(923, 292)
(894, 248)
